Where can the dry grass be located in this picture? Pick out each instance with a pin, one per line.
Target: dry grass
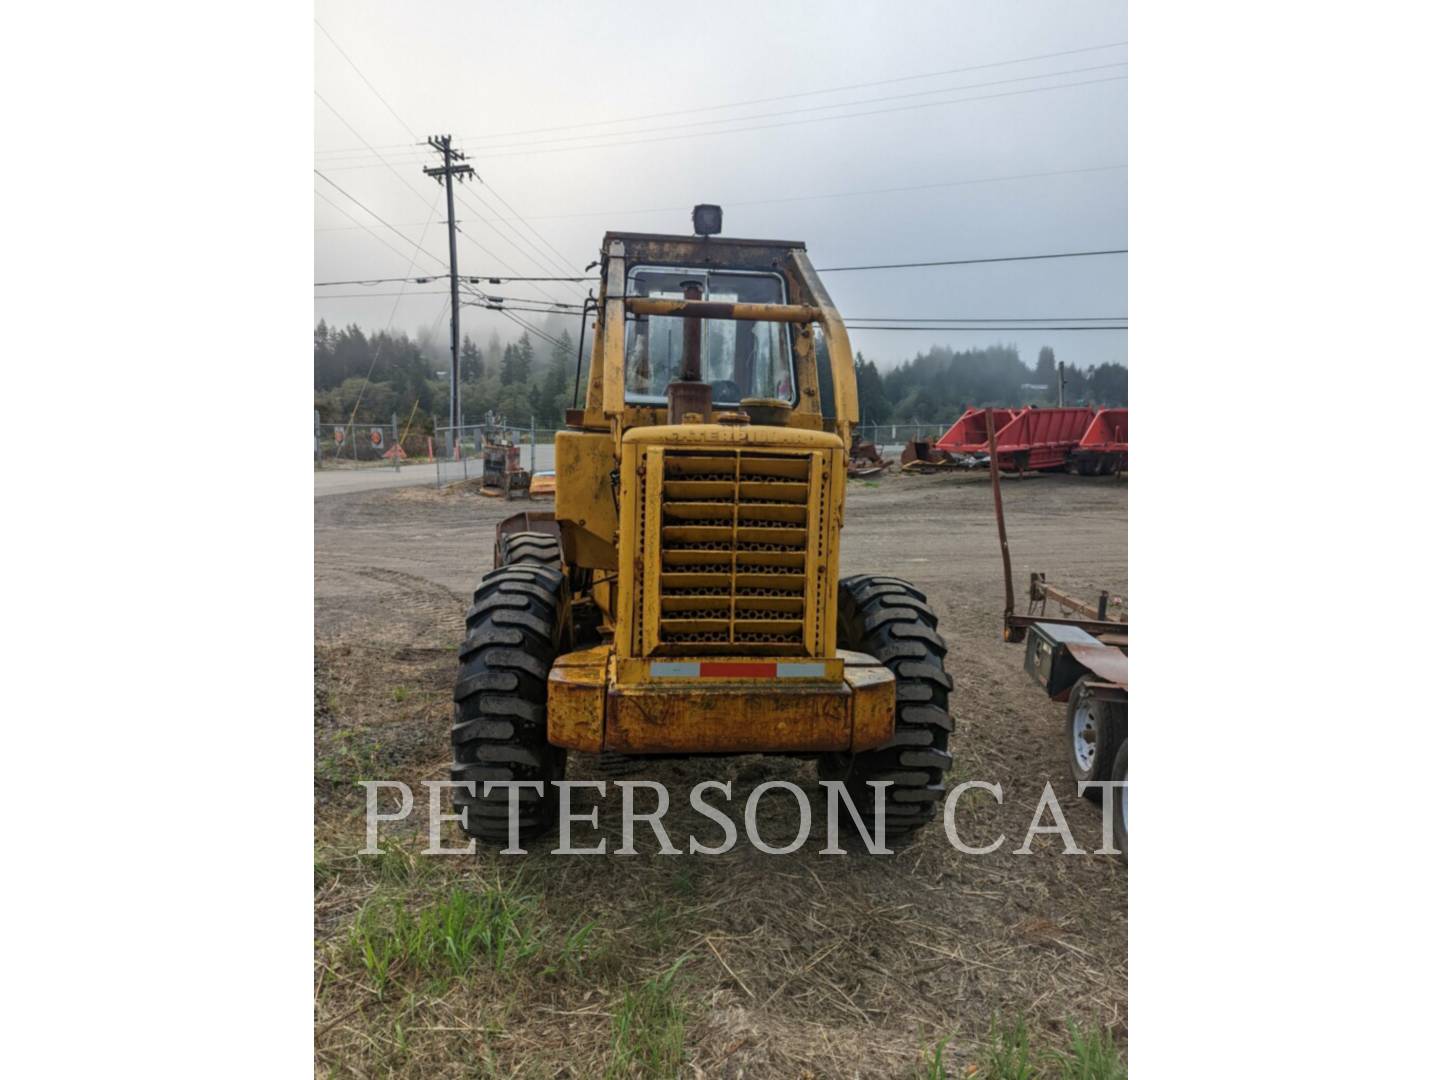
(831, 966)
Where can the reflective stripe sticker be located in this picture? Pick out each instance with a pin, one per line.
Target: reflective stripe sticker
(662, 669)
(744, 670)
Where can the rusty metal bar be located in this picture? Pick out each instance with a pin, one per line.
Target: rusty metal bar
(1000, 523)
(690, 351)
(712, 309)
(1016, 625)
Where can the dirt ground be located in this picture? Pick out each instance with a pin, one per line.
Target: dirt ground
(737, 965)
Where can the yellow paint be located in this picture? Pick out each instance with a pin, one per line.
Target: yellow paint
(575, 715)
(584, 498)
(646, 538)
(873, 712)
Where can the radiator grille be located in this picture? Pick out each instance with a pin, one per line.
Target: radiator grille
(734, 539)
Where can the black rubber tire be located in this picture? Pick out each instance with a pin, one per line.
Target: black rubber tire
(890, 620)
(513, 632)
(540, 548)
(1110, 732)
(1120, 770)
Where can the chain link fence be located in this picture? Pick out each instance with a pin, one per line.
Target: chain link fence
(457, 453)
(369, 445)
(460, 452)
(891, 438)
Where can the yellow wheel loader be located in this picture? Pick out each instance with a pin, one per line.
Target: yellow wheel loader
(685, 598)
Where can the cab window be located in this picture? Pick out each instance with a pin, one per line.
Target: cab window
(738, 358)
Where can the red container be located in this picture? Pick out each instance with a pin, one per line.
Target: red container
(1105, 446)
(1040, 438)
(967, 435)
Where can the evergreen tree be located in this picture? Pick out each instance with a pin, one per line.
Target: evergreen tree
(472, 364)
(1045, 366)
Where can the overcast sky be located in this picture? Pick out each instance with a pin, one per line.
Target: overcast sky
(491, 74)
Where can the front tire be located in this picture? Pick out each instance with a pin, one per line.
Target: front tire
(542, 549)
(513, 633)
(890, 620)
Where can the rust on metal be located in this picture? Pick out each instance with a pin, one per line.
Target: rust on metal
(1041, 592)
(1008, 633)
(1106, 661)
(692, 307)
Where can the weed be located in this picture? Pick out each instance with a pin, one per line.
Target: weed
(400, 693)
(648, 1030)
(1008, 1055)
(1093, 1055)
(574, 950)
(932, 1065)
(683, 880)
(446, 938)
(353, 760)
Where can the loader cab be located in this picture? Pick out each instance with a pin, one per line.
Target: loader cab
(736, 323)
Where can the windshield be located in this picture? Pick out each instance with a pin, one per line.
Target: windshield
(739, 359)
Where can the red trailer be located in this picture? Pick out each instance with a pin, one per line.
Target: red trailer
(1039, 438)
(1105, 447)
(967, 435)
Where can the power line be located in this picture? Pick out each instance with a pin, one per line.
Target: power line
(971, 262)
(366, 81)
(838, 194)
(402, 179)
(985, 329)
(486, 154)
(372, 213)
(985, 318)
(471, 279)
(778, 97)
(542, 143)
(388, 322)
(378, 295)
(491, 187)
(539, 258)
(400, 120)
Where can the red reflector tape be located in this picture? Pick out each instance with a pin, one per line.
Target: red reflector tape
(739, 671)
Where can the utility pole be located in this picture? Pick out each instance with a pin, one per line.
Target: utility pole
(1061, 383)
(449, 170)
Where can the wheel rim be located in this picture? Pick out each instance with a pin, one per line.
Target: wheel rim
(1084, 732)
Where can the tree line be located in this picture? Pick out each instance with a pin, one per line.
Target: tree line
(936, 386)
(393, 375)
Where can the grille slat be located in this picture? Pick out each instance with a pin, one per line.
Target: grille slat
(734, 534)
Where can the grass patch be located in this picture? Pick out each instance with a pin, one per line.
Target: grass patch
(353, 757)
(932, 1064)
(445, 939)
(1008, 1055)
(1092, 1055)
(648, 1030)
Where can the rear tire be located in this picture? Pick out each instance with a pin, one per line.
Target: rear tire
(540, 548)
(890, 620)
(517, 626)
(1120, 800)
(1095, 731)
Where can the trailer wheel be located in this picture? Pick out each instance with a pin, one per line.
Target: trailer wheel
(1095, 730)
(528, 547)
(890, 620)
(1120, 801)
(513, 632)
